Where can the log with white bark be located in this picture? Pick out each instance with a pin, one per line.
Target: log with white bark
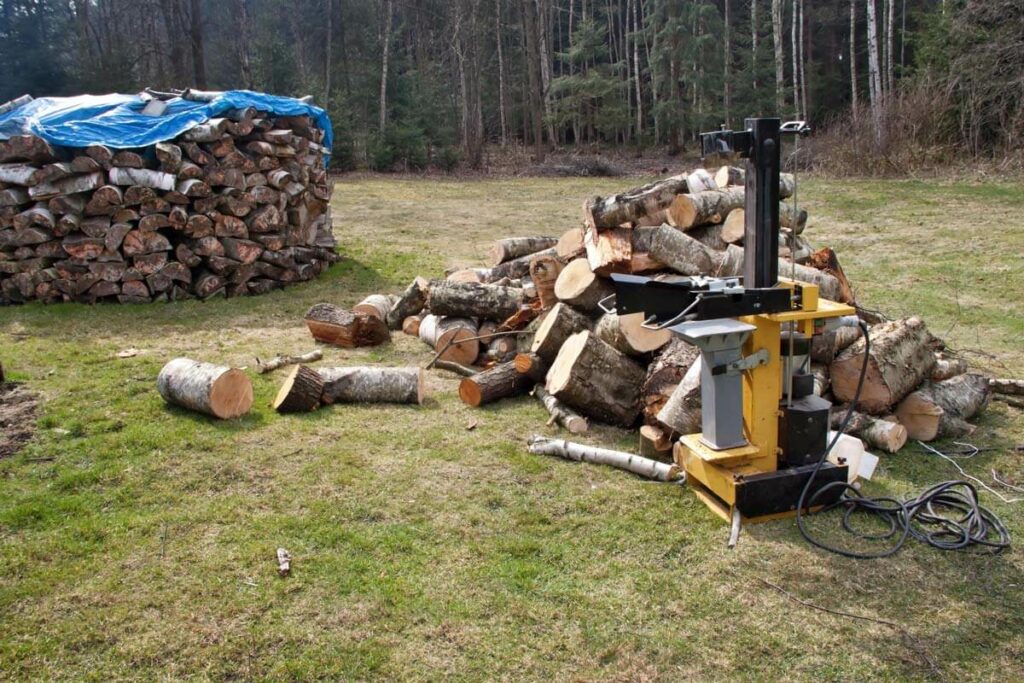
(215, 390)
(157, 180)
(733, 175)
(453, 338)
(639, 465)
(281, 361)
(561, 322)
(712, 206)
(560, 414)
(900, 360)
(514, 247)
(734, 225)
(682, 411)
(630, 206)
(597, 380)
(372, 385)
(334, 325)
(409, 303)
(580, 287)
(947, 367)
(941, 409)
(875, 432)
(377, 305)
(1007, 387)
(471, 300)
(627, 334)
(300, 392)
(826, 346)
(498, 382)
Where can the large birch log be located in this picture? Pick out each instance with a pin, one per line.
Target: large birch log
(558, 325)
(644, 467)
(682, 411)
(664, 374)
(453, 338)
(580, 287)
(733, 175)
(409, 303)
(300, 392)
(941, 409)
(561, 414)
(515, 247)
(597, 380)
(377, 305)
(734, 225)
(372, 385)
(215, 390)
(900, 360)
(886, 435)
(333, 325)
(628, 207)
(498, 382)
(690, 210)
(627, 334)
(470, 300)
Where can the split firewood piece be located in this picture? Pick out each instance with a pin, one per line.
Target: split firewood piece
(411, 325)
(628, 335)
(300, 392)
(558, 325)
(691, 210)
(594, 378)
(580, 287)
(376, 305)
(876, 432)
(826, 261)
(609, 251)
(664, 374)
(469, 300)
(941, 409)
(1007, 387)
(453, 338)
(732, 175)
(700, 181)
(281, 361)
(532, 365)
(641, 259)
(333, 325)
(630, 206)
(498, 382)
(947, 367)
(457, 368)
(544, 271)
(284, 562)
(682, 411)
(570, 244)
(372, 385)
(144, 177)
(639, 465)
(900, 360)
(515, 247)
(206, 388)
(561, 414)
(654, 443)
(409, 303)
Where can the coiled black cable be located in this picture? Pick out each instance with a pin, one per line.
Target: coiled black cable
(947, 516)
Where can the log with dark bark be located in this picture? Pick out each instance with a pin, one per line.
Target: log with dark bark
(206, 388)
(592, 377)
(333, 325)
(498, 382)
(900, 360)
(409, 303)
(470, 300)
(372, 385)
(300, 392)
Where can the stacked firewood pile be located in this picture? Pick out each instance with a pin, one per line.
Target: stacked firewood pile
(237, 205)
(537, 317)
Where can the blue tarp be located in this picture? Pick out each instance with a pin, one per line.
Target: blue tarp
(117, 120)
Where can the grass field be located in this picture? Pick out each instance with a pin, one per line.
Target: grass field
(137, 541)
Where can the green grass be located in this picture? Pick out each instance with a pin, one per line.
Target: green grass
(137, 540)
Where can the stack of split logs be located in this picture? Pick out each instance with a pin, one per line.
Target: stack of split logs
(237, 205)
(537, 318)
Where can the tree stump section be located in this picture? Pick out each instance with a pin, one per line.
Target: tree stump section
(654, 443)
(501, 381)
(941, 409)
(340, 327)
(558, 325)
(592, 377)
(300, 392)
(469, 300)
(372, 385)
(453, 338)
(515, 247)
(220, 391)
(580, 287)
(901, 358)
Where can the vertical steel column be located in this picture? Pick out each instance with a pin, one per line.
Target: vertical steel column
(761, 220)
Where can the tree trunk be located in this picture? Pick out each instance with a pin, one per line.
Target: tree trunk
(636, 73)
(498, 40)
(727, 66)
(332, 325)
(804, 49)
(941, 409)
(300, 392)
(515, 247)
(890, 70)
(563, 415)
(329, 18)
(900, 360)
(372, 385)
(220, 391)
(578, 286)
(853, 57)
(386, 51)
(780, 58)
(453, 338)
(560, 323)
(874, 75)
(644, 467)
(595, 379)
(470, 300)
(795, 48)
(498, 382)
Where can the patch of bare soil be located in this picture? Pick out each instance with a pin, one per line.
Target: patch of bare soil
(17, 417)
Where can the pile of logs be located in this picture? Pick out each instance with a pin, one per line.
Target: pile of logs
(536, 318)
(237, 205)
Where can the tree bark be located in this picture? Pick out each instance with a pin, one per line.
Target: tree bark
(498, 382)
(215, 390)
(409, 303)
(682, 411)
(780, 59)
(631, 206)
(372, 385)
(332, 325)
(470, 300)
(386, 50)
(300, 392)
(377, 305)
(853, 57)
(664, 374)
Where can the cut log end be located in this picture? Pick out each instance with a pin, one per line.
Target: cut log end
(300, 392)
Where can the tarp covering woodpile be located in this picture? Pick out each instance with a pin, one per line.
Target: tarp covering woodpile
(137, 198)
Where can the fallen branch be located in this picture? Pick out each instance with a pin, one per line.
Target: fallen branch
(457, 368)
(278, 362)
(645, 467)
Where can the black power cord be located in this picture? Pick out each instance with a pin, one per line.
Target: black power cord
(947, 516)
